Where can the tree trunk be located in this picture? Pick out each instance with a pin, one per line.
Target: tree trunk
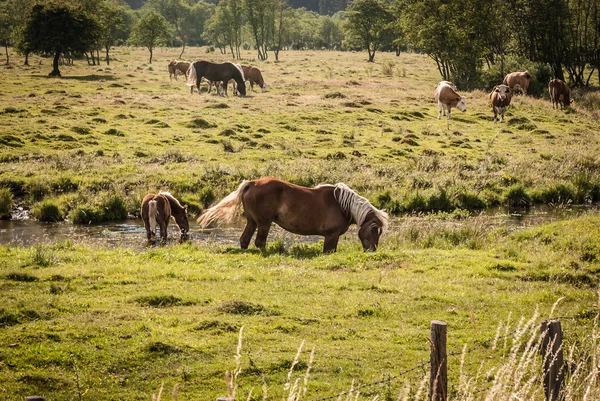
(107, 57)
(26, 62)
(6, 48)
(55, 72)
(183, 49)
(150, 54)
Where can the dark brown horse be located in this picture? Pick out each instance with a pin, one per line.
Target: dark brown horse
(326, 210)
(158, 208)
(222, 72)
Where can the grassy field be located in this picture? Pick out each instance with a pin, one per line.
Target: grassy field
(79, 320)
(102, 137)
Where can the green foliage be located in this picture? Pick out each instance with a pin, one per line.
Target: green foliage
(55, 27)
(47, 211)
(517, 196)
(151, 30)
(369, 25)
(6, 203)
(109, 208)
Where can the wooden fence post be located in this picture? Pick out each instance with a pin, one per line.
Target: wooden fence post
(552, 360)
(438, 378)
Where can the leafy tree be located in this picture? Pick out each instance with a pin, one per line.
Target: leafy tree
(56, 28)
(6, 27)
(151, 30)
(112, 21)
(330, 33)
(260, 15)
(283, 20)
(225, 26)
(369, 24)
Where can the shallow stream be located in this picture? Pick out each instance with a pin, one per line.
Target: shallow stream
(131, 232)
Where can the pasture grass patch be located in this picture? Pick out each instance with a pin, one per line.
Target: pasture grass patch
(200, 123)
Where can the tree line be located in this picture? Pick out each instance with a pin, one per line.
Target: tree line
(472, 42)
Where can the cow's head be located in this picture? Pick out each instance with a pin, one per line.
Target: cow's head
(462, 103)
(503, 92)
(264, 87)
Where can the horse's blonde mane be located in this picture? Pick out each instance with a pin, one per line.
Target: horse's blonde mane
(359, 207)
(171, 197)
(240, 69)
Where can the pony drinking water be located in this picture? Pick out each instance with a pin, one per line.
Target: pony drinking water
(326, 210)
(158, 208)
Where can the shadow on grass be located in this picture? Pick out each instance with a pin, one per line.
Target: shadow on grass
(303, 251)
(462, 120)
(92, 77)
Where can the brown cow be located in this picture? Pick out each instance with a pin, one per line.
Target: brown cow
(560, 94)
(520, 79)
(500, 97)
(447, 98)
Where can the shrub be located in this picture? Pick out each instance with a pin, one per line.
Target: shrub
(469, 201)
(559, 193)
(112, 208)
(439, 202)
(6, 203)
(37, 190)
(207, 196)
(47, 211)
(517, 196)
(387, 68)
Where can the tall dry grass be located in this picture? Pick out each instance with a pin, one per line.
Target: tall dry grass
(514, 374)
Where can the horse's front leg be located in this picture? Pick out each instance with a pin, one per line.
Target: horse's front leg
(248, 233)
(330, 245)
(261, 236)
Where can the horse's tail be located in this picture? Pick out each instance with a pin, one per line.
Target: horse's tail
(152, 213)
(227, 209)
(192, 78)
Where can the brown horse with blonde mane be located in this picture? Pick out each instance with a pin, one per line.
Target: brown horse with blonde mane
(159, 208)
(326, 210)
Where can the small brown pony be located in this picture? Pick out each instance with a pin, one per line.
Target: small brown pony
(177, 67)
(326, 210)
(158, 208)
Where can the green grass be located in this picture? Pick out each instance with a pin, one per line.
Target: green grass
(128, 130)
(127, 319)
(135, 318)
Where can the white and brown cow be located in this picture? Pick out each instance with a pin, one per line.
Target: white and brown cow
(560, 94)
(500, 97)
(518, 81)
(446, 96)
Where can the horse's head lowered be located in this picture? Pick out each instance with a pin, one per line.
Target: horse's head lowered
(370, 231)
(181, 219)
(371, 221)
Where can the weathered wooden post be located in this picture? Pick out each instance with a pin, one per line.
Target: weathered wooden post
(438, 378)
(552, 359)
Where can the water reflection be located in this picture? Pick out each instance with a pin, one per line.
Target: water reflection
(131, 233)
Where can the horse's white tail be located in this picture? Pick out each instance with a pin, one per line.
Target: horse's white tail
(226, 210)
(192, 78)
(152, 213)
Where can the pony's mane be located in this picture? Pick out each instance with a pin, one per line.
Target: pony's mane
(171, 198)
(239, 67)
(359, 207)
(192, 77)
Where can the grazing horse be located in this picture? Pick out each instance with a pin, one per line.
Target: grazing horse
(215, 72)
(177, 67)
(158, 208)
(252, 75)
(326, 210)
